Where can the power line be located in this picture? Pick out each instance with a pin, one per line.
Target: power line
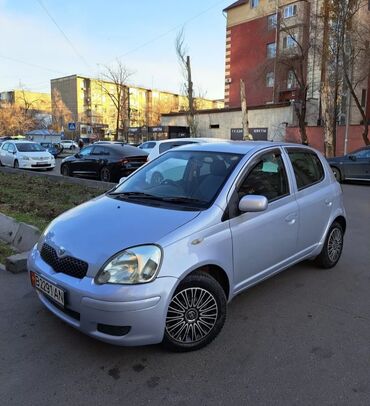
(31, 64)
(171, 30)
(63, 34)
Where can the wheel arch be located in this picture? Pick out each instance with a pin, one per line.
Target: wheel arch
(218, 273)
(342, 221)
(341, 173)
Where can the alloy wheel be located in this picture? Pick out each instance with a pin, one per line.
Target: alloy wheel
(191, 316)
(105, 175)
(335, 242)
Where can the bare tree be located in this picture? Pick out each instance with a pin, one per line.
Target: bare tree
(184, 61)
(244, 107)
(115, 85)
(355, 52)
(13, 121)
(60, 112)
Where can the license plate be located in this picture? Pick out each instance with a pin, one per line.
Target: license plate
(48, 288)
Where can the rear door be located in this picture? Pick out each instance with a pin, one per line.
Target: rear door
(266, 241)
(314, 196)
(98, 158)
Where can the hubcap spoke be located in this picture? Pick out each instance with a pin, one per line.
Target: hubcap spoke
(192, 314)
(335, 242)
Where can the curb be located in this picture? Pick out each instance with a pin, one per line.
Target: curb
(96, 184)
(20, 235)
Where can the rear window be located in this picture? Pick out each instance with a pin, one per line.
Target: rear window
(165, 146)
(307, 167)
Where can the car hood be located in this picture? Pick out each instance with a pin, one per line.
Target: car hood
(98, 229)
(36, 154)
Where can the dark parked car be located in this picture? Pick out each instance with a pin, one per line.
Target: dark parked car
(108, 162)
(353, 166)
(50, 147)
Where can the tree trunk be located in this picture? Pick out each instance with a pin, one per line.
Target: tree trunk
(243, 103)
(190, 91)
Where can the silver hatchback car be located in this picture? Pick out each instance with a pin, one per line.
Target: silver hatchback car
(157, 258)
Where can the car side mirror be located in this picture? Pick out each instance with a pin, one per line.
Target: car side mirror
(253, 203)
(352, 157)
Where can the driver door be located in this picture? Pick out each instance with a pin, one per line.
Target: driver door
(264, 242)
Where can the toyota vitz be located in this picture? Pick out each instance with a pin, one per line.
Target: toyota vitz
(157, 261)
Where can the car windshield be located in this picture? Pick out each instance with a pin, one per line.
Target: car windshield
(187, 178)
(29, 147)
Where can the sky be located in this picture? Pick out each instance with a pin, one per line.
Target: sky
(94, 33)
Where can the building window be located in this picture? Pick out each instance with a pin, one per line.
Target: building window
(290, 11)
(271, 50)
(292, 80)
(290, 41)
(254, 3)
(272, 21)
(270, 79)
(214, 126)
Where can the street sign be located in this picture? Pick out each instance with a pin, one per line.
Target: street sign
(259, 134)
(72, 126)
(237, 134)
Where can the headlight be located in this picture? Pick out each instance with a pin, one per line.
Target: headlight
(133, 265)
(25, 158)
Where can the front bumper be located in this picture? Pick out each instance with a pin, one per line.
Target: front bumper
(139, 310)
(33, 164)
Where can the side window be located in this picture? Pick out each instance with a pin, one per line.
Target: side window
(365, 153)
(307, 167)
(150, 145)
(100, 151)
(267, 178)
(11, 148)
(5, 146)
(86, 151)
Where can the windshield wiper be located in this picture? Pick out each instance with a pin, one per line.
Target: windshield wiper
(183, 199)
(140, 195)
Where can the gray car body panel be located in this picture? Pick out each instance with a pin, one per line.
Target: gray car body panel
(248, 248)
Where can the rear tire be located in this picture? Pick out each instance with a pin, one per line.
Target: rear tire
(337, 173)
(332, 249)
(196, 313)
(105, 174)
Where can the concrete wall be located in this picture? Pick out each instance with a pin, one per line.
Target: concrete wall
(272, 118)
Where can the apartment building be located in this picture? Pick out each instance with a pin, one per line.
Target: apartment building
(91, 107)
(262, 36)
(35, 101)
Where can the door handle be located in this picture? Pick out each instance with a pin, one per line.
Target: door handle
(328, 202)
(291, 219)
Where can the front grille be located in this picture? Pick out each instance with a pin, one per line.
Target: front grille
(68, 265)
(117, 331)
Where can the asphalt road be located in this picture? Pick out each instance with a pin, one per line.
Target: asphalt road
(300, 338)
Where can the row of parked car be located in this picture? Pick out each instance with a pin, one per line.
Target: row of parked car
(111, 160)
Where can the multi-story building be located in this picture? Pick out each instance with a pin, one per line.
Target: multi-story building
(262, 39)
(92, 106)
(37, 102)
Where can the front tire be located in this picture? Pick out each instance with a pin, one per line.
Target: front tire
(196, 313)
(66, 171)
(16, 164)
(337, 173)
(105, 174)
(333, 247)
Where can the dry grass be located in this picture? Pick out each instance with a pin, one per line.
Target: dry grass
(38, 200)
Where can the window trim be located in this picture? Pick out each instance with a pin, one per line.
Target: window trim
(231, 210)
(292, 7)
(306, 151)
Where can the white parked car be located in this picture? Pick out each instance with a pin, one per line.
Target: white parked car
(69, 144)
(25, 155)
(148, 146)
(165, 145)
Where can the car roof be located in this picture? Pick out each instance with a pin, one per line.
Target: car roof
(122, 149)
(192, 139)
(237, 147)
